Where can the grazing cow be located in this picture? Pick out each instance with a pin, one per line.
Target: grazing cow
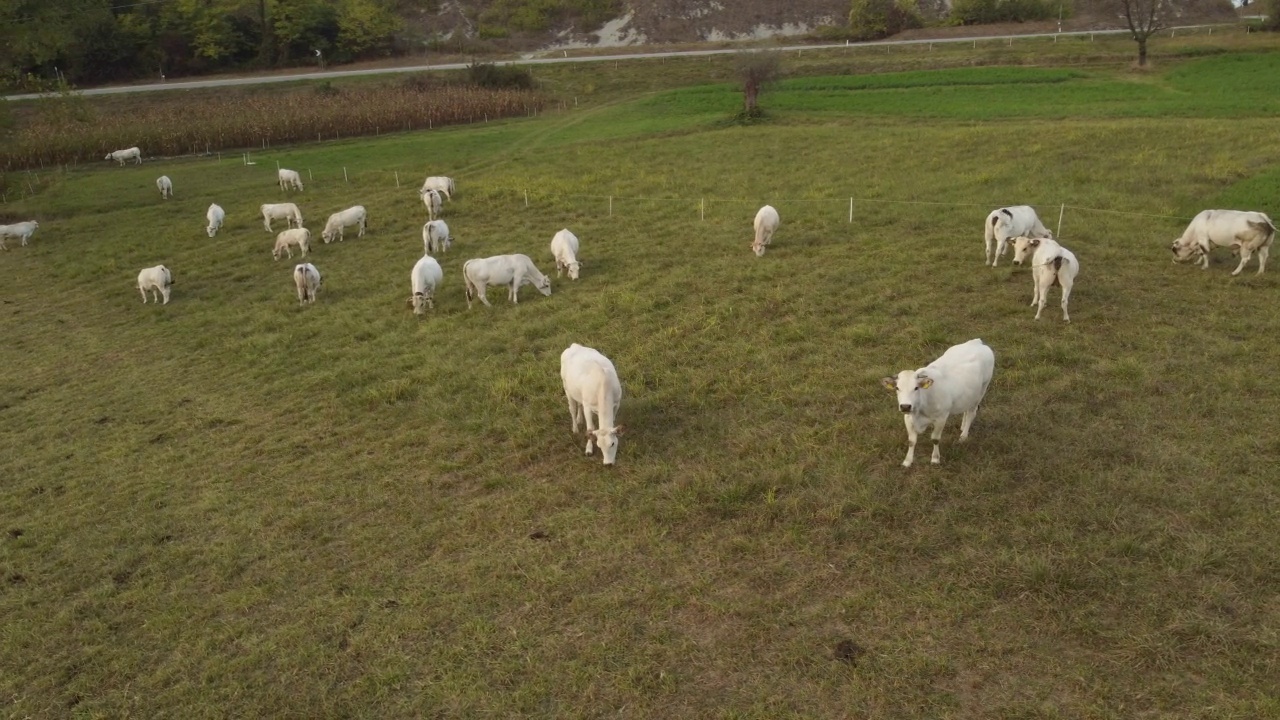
(158, 280)
(564, 246)
(289, 179)
(1243, 232)
(431, 198)
(1007, 223)
(509, 270)
(444, 185)
(766, 223)
(166, 186)
(954, 383)
(424, 280)
(306, 278)
(133, 153)
(591, 386)
(1051, 264)
(215, 215)
(351, 216)
(23, 231)
(285, 240)
(281, 211)
(436, 237)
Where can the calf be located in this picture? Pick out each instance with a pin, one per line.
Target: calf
(564, 246)
(444, 185)
(285, 240)
(591, 387)
(954, 383)
(431, 198)
(133, 153)
(436, 237)
(339, 220)
(166, 186)
(424, 280)
(1051, 264)
(510, 270)
(766, 223)
(289, 179)
(158, 280)
(1006, 223)
(281, 211)
(215, 215)
(23, 231)
(306, 278)
(1243, 232)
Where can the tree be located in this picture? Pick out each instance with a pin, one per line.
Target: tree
(1145, 17)
(756, 69)
(875, 19)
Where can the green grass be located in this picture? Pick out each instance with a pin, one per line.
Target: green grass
(233, 507)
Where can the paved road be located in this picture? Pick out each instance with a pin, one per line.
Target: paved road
(328, 74)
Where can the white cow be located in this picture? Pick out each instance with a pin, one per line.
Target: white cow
(442, 184)
(509, 270)
(1051, 264)
(157, 279)
(431, 198)
(306, 278)
(23, 231)
(591, 386)
(436, 237)
(215, 215)
(285, 240)
(351, 216)
(289, 179)
(1009, 222)
(133, 153)
(954, 383)
(281, 211)
(1243, 232)
(166, 186)
(766, 223)
(424, 279)
(564, 246)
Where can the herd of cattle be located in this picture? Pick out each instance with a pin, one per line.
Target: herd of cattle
(954, 384)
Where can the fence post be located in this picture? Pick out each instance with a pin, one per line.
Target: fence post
(397, 178)
(1061, 211)
(344, 174)
(702, 209)
(526, 198)
(309, 174)
(610, 206)
(850, 209)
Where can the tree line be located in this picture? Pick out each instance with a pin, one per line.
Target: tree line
(93, 41)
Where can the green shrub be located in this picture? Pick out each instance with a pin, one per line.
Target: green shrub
(488, 75)
(875, 19)
(981, 12)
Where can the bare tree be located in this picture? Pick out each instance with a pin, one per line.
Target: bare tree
(1145, 17)
(756, 69)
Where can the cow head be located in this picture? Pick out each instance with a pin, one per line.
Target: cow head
(573, 270)
(544, 285)
(1182, 252)
(757, 248)
(419, 303)
(1024, 247)
(607, 440)
(908, 386)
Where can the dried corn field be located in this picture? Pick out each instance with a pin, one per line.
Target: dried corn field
(200, 124)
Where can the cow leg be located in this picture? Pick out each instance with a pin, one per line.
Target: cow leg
(911, 440)
(515, 292)
(1066, 283)
(575, 412)
(1245, 254)
(1000, 242)
(480, 294)
(1263, 252)
(937, 438)
(966, 422)
(591, 434)
(144, 295)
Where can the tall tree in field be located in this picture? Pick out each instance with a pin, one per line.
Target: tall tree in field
(1145, 17)
(756, 69)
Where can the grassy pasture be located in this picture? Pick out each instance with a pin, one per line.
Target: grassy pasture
(233, 507)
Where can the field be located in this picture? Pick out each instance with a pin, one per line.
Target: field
(231, 506)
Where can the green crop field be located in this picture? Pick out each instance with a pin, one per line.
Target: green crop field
(233, 506)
